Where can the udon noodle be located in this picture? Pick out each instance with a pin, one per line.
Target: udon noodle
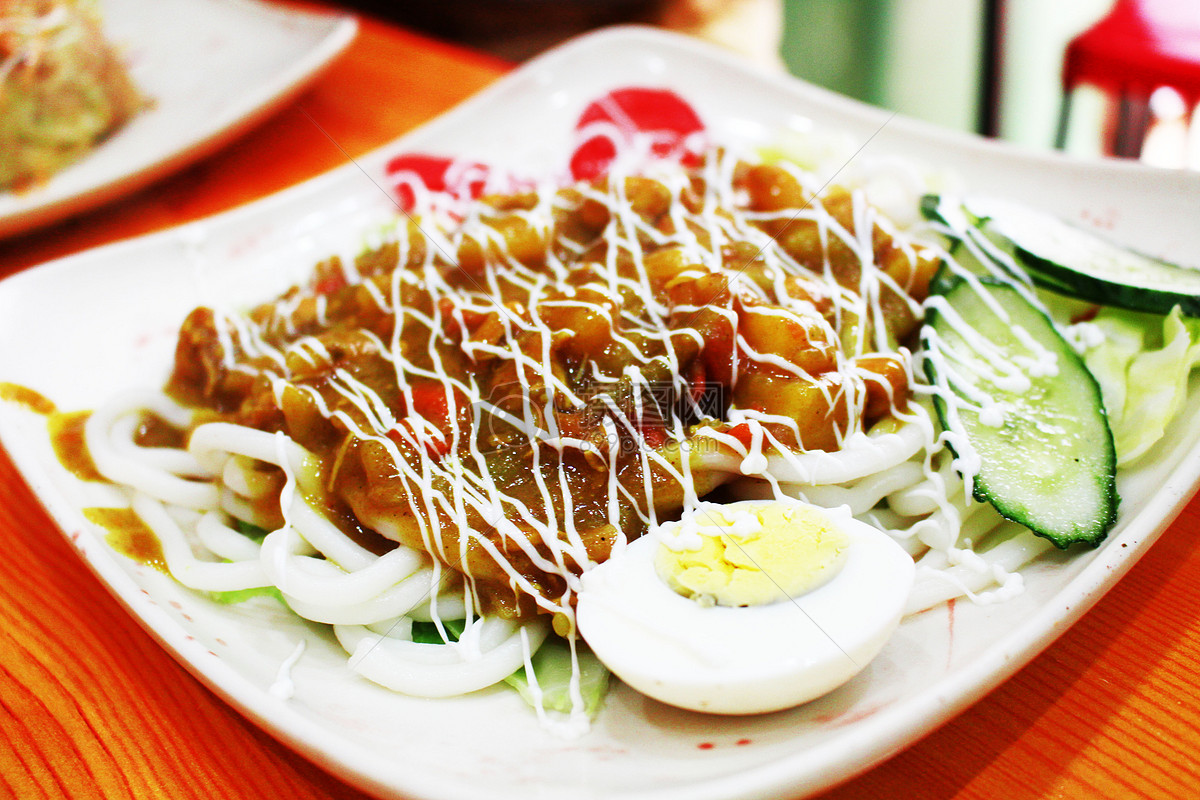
(459, 422)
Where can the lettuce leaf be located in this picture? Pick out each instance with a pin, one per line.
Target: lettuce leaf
(235, 596)
(552, 668)
(428, 633)
(250, 530)
(1142, 367)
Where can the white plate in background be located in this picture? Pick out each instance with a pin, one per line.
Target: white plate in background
(125, 302)
(211, 69)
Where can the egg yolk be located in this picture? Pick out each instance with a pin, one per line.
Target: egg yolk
(762, 556)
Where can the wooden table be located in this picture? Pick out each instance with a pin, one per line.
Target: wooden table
(90, 706)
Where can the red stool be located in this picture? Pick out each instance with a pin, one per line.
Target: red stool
(1140, 46)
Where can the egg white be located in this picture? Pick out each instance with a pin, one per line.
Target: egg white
(751, 659)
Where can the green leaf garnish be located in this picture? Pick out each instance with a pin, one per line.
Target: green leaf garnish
(552, 667)
(241, 595)
(250, 530)
(428, 633)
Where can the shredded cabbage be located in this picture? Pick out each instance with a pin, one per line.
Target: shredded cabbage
(1142, 367)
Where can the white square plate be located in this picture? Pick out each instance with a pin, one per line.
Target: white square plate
(211, 68)
(105, 320)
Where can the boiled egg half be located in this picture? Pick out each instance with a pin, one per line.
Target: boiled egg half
(746, 607)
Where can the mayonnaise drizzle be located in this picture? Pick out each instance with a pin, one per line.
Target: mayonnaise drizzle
(283, 686)
(457, 483)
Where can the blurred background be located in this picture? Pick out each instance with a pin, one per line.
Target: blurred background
(987, 66)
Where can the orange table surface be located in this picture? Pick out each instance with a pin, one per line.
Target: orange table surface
(91, 706)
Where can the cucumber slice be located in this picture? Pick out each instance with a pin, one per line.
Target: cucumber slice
(974, 248)
(1022, 413)
(1071, 260)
